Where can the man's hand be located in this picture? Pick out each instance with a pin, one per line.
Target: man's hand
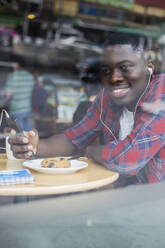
(23, 146)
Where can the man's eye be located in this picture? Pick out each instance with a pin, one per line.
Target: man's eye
(105, 71)
(124, 68)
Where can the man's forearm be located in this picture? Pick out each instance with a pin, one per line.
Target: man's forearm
(58, 145)
(95, 152)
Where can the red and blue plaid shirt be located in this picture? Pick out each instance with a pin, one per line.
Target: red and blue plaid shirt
(140, 154)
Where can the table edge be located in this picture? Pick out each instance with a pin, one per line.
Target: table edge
(50, 190)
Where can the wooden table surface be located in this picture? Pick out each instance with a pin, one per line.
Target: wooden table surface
(92, 177)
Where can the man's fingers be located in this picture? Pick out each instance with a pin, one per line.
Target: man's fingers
(33, 139)
(12, 132)
(9, 130)
(18, 140)
(22, 151)
(31, 133)
(24, 145)
(25, 155)
(21, 148)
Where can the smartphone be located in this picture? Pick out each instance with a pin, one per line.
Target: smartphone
(11, 123)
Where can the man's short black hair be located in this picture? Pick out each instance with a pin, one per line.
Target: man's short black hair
(136, 41)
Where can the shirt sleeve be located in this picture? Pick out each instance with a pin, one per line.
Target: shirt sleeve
(85, 132)
(130, 155)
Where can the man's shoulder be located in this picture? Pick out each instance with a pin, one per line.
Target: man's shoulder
(158, 84)
(154, 102)
(159, 78)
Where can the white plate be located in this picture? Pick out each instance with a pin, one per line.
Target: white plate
(36, 165)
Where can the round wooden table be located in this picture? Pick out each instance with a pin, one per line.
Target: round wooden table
(92, 177)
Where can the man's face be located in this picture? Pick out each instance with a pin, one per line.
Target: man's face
(124, 74)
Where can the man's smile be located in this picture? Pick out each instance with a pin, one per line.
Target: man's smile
(124, 75)
(120, 89)
(120, 92)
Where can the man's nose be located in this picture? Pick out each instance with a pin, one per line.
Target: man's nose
(116, 76)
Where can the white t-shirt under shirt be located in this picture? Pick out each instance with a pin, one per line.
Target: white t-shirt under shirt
(126, 123)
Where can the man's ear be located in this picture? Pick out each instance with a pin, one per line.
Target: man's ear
(150, 67)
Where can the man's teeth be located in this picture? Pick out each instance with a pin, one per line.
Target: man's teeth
(118, 90)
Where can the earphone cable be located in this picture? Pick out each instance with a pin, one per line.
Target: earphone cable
(101, 112)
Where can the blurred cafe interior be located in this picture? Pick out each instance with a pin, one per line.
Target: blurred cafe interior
(58, 43)
(57, 38)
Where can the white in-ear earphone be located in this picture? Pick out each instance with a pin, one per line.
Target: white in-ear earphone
(150, 70)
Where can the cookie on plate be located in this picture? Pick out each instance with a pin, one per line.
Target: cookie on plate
(57, 162)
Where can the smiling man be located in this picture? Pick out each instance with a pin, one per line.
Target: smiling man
(126, 71)
(133, 134)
